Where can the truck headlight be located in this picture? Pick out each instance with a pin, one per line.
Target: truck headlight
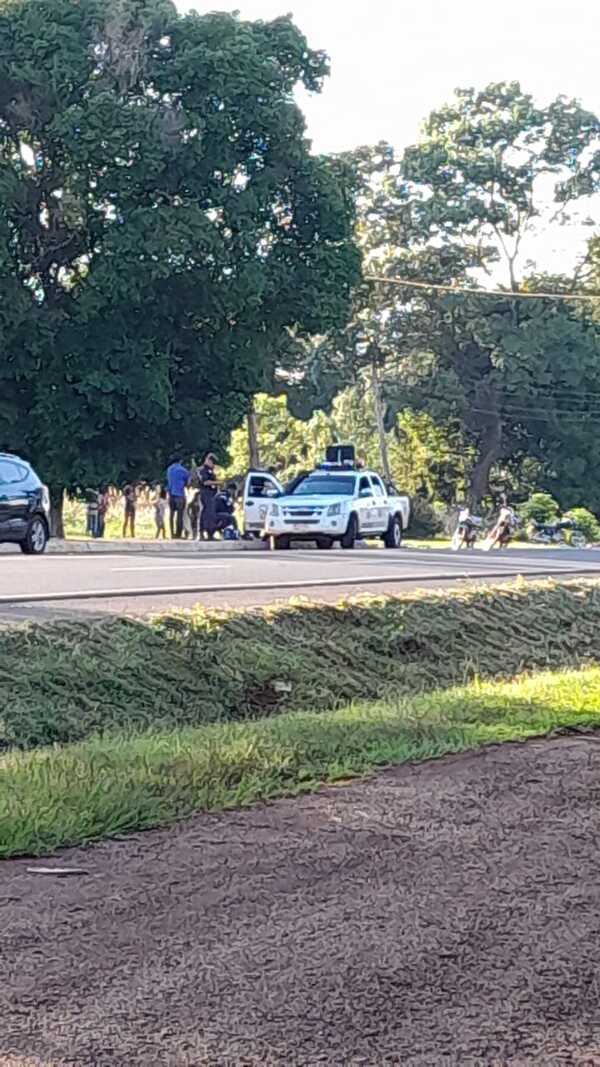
(334, 509)
(274, 511)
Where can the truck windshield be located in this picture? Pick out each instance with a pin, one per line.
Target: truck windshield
(326, 485)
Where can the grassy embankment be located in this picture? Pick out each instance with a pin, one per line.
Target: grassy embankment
(119, 725)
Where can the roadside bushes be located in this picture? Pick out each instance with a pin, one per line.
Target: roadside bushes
(65, 681)
(587, 523)
(426, 520)
(541, 507)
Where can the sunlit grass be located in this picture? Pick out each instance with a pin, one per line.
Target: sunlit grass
(74, 793)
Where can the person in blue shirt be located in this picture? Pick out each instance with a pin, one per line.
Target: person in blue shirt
(178, 477)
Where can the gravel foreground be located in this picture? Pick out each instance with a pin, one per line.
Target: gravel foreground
(442, 913)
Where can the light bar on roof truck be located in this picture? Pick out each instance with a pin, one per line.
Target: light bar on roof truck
(340, 456)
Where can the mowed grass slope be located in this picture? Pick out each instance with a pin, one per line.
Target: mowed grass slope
(66, 681)
(75, 793)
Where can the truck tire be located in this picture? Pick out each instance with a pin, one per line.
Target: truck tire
(324, 542)
(393, 537)
(276, 544)
(349, 538)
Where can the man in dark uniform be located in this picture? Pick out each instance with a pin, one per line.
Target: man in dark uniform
(208, 493)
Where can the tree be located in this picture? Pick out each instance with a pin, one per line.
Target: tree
(418, 452)
(164, 229)
(464, 198)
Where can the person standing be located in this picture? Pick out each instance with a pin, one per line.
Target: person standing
(208, 493)
(92, 513)
(129, 503)
(103, 502)
(178, 477)
(160, 514)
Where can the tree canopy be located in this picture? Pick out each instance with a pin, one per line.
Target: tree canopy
(164, 228)
(502, 374)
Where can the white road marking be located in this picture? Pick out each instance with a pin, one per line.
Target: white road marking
(174, 567)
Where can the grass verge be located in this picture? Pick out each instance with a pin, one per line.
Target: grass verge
(63, 682)
(71, 794)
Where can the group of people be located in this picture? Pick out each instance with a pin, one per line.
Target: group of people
(193, 504)
(210, 510)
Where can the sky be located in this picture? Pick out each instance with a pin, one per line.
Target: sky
(393, 61)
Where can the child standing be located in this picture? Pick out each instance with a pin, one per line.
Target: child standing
(160, 513)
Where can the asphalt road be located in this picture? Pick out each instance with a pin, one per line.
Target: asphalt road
(141, 584)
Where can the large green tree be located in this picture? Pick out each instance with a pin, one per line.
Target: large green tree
(489, 170)
(164, 229)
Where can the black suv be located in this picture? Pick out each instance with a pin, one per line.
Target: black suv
(24, 506)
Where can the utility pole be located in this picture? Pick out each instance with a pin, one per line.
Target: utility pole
(253, 450)
(378, 408)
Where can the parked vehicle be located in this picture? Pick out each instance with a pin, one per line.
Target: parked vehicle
(336, 502)
(466, 532)
(24, 506)
(554, 533)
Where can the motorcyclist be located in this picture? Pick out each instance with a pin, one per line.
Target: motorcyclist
(466, 530)
(506, 523)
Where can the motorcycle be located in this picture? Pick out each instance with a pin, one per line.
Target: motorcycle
(465, 534)
(553, 533)
(500, 535)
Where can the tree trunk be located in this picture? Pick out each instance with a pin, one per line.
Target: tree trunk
(57, 497)
(489, 452)
(378, 407)
(253, 449)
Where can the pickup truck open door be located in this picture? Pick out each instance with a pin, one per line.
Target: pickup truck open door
(260, 488)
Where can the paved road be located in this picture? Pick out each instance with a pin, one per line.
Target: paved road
(142, 583)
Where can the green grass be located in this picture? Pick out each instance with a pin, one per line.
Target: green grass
(66, 795)
(62, 682)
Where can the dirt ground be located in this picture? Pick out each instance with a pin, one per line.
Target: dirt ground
(447, 913)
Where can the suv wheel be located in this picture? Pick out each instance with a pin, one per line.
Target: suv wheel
(393, 537)
(348, 539)
(37, 538)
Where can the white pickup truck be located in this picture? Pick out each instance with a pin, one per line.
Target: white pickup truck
(332, 503)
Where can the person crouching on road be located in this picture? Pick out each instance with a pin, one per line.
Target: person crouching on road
(178, 477)
(208, 493)
(225, 509)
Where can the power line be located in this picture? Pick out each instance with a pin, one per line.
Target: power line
(456, 290)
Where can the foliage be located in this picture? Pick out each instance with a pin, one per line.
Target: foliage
(162, 226)
(59, 797)
(586, 522)
(504, 379)
(255, 663)
(426, 522)
(540, 507)
(417, 448)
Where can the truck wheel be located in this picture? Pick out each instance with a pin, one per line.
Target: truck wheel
(393, 537)
(347, 540)
(324, 542)
(278, 543)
